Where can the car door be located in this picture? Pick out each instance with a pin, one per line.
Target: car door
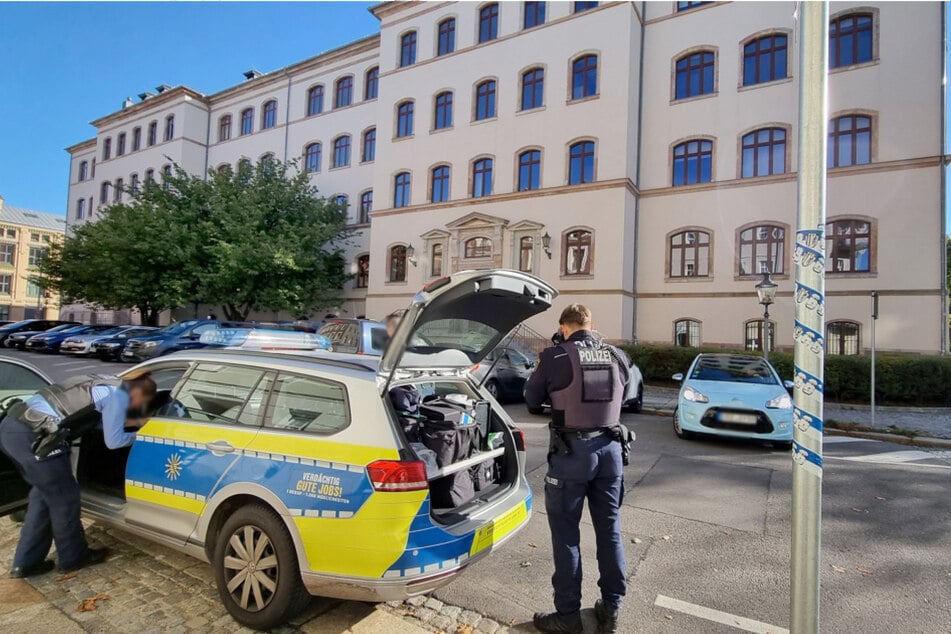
(182, 454)
(17, 380)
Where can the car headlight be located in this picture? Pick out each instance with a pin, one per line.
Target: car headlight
(780, 402)
(149, 344)
(694, 396)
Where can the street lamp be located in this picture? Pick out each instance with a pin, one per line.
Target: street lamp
(766, 292)
(546, 244)
(411, 254)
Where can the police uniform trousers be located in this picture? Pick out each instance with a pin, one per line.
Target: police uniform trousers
(53, 514)
(593, 472)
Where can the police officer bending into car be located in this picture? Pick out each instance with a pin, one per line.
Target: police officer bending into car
(36, 434)
(584, 381)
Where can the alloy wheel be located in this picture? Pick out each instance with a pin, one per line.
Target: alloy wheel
(251, 568)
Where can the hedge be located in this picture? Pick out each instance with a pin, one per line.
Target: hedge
(901, 379)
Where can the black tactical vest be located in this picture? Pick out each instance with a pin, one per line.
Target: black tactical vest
(594, 397)
(72, 398)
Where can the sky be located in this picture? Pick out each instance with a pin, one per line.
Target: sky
(65, 64)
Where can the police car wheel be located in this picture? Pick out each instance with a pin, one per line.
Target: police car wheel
(256, 569)
(681, 433)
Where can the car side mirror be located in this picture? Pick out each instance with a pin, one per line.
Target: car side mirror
(789, 385)
(678, 377)
(194, 336)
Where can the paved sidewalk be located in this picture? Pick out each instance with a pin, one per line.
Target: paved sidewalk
(924, 421)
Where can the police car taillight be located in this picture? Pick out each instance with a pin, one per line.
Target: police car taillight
(398, 475)
(519, 438)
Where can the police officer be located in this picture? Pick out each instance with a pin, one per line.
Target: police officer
(54, 505)
(584, 380)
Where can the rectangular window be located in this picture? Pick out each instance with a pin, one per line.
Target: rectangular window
(34, 237)
(526, 254)
(83, 170)
(80, 209)
(482, 178)
(366, 206)
(33, 289)
(7, 252)
(136, 139)
(408, 49)
(36, 256)
(11, 233)
(687, 333)
(447, 37)
(693, 163)
(850, 40)
(153, 133)
(757, 332)
(488, 23)
(443, 113)
(107, 149)
(343, 95)
(691, 4)
(120, 144)
(436, 260)
(119, 187)
(404, 120)
(583, 6)
(534, 14)
(307, 405)
(363, 271)
(6, 282)
(169, 127)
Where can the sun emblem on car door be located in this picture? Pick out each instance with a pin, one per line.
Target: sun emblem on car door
(173, 467)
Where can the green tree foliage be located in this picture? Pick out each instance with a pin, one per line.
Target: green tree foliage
(256, 239)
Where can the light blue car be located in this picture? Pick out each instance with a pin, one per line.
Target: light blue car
(735, 395)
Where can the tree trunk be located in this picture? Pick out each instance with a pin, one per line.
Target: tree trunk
(148, 316)
(233, 313)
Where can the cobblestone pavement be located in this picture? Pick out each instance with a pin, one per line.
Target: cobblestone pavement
(146, 588)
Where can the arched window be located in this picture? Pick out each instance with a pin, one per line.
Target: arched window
(477, 248)
(363, 271)
(366, 206)
(577, 249)
(439, 189)
(342, 201)
(398, 263)
(765, 59)
(408, 49)
(762, 249)
(269, 114)
(247, 121)
(342, 151)
(84, 170)
(482, 178)
(401, 189)
(120, 144)
(687, 333)
(850, 141)
(529, 170)
(315, 100)
(851, 40)
(136, 139)
(446, 37)
(442, 113)
(371, 83)
(757, 334)
(153, 133)
(533, 14)
(312, 156)
(695, 74)
(533, 88)
(435, 260)
(149, 175)
(224, 128)
(107, 149)
(690, 254)
(764, 152)
(578, 7)
(526, 254)
(488, 22)
(404, 119)
(343, 92)
(849, 246)
(104, 192)
(581, 163)
(584, 77)
(485, 100)
(843, 337)
(693, 162)
(369, 146)
(120, 189)
(80, 209)
(169, 127)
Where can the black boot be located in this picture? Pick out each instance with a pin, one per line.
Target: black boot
(557, 624)
(607, 617)
(29, 571)
(92, 557)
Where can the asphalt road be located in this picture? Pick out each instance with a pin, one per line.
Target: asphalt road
(707, 526)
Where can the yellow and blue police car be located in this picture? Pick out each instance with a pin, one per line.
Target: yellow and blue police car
(292, 473)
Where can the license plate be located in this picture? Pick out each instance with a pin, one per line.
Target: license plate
(740, 419)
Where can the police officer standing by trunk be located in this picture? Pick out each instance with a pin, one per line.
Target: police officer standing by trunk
(584, 381)
(36, 434)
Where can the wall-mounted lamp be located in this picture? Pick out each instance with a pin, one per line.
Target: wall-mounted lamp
(411, 255)
(546, 244)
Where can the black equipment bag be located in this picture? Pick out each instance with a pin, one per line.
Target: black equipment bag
(405, 400)
(450, 431)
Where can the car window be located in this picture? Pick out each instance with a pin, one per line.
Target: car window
(203, 328)
(218, 393)
(378, 338)
(517, 357)
(345, 337)
(738, 369)
(310, 405)
(17, 380)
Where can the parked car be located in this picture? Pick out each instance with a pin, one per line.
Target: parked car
(109, 347)
(734, 395)
(18, 340)
(504, 371)
(51, 341)
(29, 325)
(290, 474)
(81, 345)
(183, 335)
(355, 336)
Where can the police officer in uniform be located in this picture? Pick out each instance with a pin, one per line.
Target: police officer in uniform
(584, 380)
(33, 434)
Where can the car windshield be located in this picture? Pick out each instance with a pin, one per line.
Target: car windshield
(75, 329)
(174, 329)
(134, 332)
(16, 325)
(734, 368)
(61, 328)
(112, 331)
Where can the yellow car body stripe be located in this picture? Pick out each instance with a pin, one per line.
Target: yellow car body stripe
(170, 500)
(318, 448)
(496, 530)
(199, 432)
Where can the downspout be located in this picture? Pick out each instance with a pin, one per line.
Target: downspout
(207, 138)
(287, 114)
(944, 180)
(637, 167)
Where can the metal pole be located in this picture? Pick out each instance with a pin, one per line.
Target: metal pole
(766, 332)
(874, 319)
(809, 343)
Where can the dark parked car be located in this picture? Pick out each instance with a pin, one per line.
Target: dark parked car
(35, 325)
(355, 336)
(110, 347)
(18, 340)
(184, 335)
(51, 341)
(504, 372)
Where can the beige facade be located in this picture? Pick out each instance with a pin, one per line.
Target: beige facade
(660, 197)
(25, 238)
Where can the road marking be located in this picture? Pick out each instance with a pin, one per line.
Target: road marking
(829, 440)
(63, 364)
(724, 618)
(897, 457)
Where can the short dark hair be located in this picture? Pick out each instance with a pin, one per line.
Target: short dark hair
(144, 382)
(576, 315)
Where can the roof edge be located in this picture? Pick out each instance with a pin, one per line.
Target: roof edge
(165, 97)
(88, 144)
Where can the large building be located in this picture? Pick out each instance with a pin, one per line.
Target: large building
(25, 239)
(639, 156)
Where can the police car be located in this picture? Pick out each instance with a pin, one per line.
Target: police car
(290, 472)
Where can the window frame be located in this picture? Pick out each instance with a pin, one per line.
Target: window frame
(543, 6)
(487, 23)
(675, 72)
(224, 128)
(106, 149)
(770, 242)
(839, 340)
(366, 207)
(522, 250)
(313, 150)
(482, 167)
(478, 248)
(435, 271)
(446, 179)
(832, 267)
(368, 142)
(247, 116)
(581, 7)
(756, 146)
(408, 49)
(269, 114)
(765, 333)
(835, 136)
(362, 277)
(83, 174)
(690, 322)
(566, 243)
(315, 100)
(274, 392)
(683, 248)
(757, 38)
(402, 189)
(531, 164)
(120, 144)
(405, 119)
(571, 161)
(169, 132)
(152, 133)
(491, 96)
(399, 274)
(347, 147)
(371, 83)
(686, 158)
(535, 84)
(136, 138)
(446, 34)
(343, 91)
(443, 107)
(835, 51)
(572, 71)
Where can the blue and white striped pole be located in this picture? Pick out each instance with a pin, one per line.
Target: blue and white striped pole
(809, 259)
